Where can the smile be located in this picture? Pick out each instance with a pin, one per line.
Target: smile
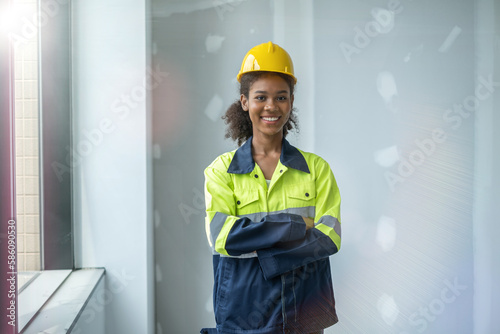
(270, 119)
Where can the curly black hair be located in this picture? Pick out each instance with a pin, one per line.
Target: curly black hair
(238, 121)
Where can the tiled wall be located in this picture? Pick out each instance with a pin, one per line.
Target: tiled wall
(27, 140)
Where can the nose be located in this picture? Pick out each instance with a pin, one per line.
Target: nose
(270, 104)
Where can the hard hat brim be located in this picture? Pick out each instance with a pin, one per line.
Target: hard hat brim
(238, 77)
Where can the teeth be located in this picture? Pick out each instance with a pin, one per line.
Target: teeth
(270, 119)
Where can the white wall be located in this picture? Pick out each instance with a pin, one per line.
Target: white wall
(487, 180)
(111, 125)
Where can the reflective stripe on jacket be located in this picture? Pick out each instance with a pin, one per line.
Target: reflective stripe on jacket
(270, 274)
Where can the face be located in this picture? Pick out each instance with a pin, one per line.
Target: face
(269, 104)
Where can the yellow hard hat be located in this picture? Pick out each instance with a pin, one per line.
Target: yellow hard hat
(267, 57)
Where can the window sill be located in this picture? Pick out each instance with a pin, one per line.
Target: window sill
(55, 300)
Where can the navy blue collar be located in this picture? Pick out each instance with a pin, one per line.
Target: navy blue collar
(243, 162)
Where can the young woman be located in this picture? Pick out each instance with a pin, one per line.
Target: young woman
(272, 212)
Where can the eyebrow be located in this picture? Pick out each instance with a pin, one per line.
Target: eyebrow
(265, 92)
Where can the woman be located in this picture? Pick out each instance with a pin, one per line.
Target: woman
(272, 212)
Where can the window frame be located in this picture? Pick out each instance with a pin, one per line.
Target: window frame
(55, 105)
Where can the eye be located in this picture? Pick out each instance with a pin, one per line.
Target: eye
(281, 98)
(260, 98)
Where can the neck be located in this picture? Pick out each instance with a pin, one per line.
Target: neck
(266, 145)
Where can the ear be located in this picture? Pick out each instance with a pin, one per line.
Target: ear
(244, 102)
(291, 101)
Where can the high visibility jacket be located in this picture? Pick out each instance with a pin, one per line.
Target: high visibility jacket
(270, 274)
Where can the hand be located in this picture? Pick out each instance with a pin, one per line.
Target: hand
(309, 222)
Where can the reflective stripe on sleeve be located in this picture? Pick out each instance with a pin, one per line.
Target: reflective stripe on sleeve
(330, 226)
(331, 222)
(220, 240)
(216, 225)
